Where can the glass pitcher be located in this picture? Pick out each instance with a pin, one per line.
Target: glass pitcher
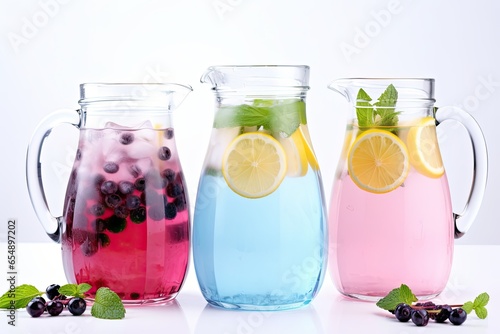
(125, 222)
(259, 233)
(390, 216)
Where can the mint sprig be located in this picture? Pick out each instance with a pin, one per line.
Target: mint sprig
(19, 297)
(276, 116)
(107, 305)
(379, 114)
(403, 294)
(478, 305)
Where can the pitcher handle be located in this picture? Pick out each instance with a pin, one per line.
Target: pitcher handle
(464, 220)
(51, 224)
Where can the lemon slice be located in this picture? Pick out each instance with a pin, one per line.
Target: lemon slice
(254, 164)
(296, 158)
(378, 161)
(424, 150)
(306, 139)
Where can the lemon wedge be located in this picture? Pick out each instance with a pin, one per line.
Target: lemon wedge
(378, 161)
(296, 158)
(423, 148)
(254, 164)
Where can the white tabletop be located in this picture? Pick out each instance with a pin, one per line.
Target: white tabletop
(474, 271)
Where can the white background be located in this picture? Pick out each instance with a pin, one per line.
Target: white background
(49, 47)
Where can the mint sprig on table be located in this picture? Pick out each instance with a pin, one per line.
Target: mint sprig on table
(274, 116)
(379, 114)
(401, 302)
(107, 304)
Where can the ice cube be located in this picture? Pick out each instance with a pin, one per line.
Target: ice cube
(138, 126)
(140, 149)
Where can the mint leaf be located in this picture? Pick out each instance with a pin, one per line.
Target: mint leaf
(386, 104)
(286, 117)
(75, 290)
(468, 307)
(273, 115)
(403, 294)
(19, 297)
(481, 312)
(481, 300)
(364, 110)
(107, 305)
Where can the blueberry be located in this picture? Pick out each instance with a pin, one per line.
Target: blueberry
(174, 189)
(135, 295)
(109, 187)
(458, 316)
(78, 155)
(126, 187)
(170, 211)
(403, 312)
(77, 306)
(164, 153)
(103, 239)
(126, 138)
(121, 211)
(444, 314)
(169, 133)
(110, 167)
(35, 308)
(180, 203)
(97, 209)
(98, 225)
(134, 170)
(132, 202)
(140, 184)
(420, 317)
(115, 224)
(54, 307)
(89, 247)
(112, 201)
(168, 174)
(138, 215)
(52, 291)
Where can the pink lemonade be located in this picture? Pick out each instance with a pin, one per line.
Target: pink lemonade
(127, 215)
(380, 241)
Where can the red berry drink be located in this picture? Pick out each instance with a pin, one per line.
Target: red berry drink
(126, 214)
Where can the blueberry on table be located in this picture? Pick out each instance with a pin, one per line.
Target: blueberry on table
(52, 291)
(55, 307)
(35, 308)
(403, 312)
(420, 317)
(444, 314)
(77, 306)
(458, 316)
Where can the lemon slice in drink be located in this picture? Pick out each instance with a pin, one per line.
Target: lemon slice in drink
(424, 150)
(378, 161)
(254, 164)
(306, 139)
(296, 157)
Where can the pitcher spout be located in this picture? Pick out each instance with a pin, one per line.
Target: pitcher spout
(343, 87)
(179, 93)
